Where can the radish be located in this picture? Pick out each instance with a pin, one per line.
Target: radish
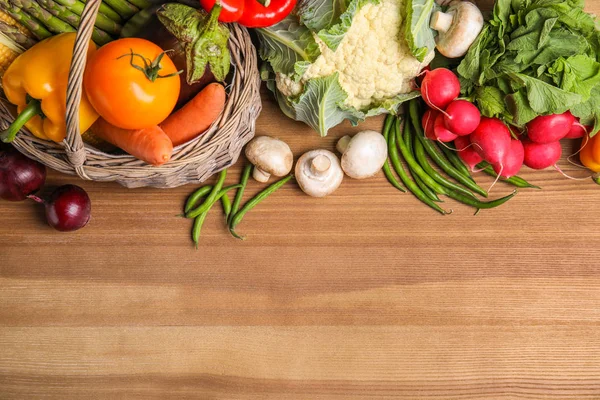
(577, 130)
(441, 132)
(492, 140)
(467, 152)
(428, 122)
(513, 160)
(550, 128)
(541, 155)
(439, 88)
(462, 117)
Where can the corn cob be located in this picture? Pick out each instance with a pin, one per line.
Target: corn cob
(14, 39)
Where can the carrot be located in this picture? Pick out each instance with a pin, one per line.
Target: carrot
(151, 145)
(196, 116)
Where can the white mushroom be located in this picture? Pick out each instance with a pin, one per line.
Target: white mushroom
(318, 173)
(363, 155)
(457, 28)
(269, 156)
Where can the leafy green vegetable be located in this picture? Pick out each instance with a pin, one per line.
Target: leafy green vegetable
(320, 14)
(490, 100)
(287, 43)
(319, 106)
(419, 36)
(535, 57)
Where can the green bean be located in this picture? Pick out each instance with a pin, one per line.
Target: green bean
(399, 168)
(408, 140)
(211, 197)
(387, 171)
(253, 202)
(226, 206)
(414, 165)
(516, 181)
(240, 193)
(199, 219)
(452, 156)
(197, 227)
(426, 189)
(436, 156)
(196, 196)
(422, 160)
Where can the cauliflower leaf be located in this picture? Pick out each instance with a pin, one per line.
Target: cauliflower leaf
(320, 14)
(287, 43)
(418, 34)
(320, 105)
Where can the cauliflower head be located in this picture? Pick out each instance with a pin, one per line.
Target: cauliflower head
(326, 68)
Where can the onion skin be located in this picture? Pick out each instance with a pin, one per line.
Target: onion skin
(19, 176)
(68, 208)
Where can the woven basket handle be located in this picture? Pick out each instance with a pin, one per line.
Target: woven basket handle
(73, 143)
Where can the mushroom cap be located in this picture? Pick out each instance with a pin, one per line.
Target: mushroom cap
(318, 173)
(270, 155)
(365, 155)
(467, 23)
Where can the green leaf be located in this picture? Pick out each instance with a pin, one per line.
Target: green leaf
(490, 101)
(333, 35)
(519, 108)
(579, 74)
(545, 98)
(320, 105)
(287, 43)
(589, 111)
(560, 43)
(419, 36)
(470, 66)
(320, 14)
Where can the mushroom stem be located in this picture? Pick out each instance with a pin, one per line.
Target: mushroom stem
(260, 176)
(441, 21)
(343, 143)
(320, 164)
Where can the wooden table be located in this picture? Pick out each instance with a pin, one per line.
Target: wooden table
(366, 294)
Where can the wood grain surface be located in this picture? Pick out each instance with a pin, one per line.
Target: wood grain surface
(366, 294)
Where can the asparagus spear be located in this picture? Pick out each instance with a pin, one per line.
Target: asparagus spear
(109, 12)
(52, 23)
(123, 8)
(60, 11)
(34, 26)
(16, 36)
(74, 19)
(77, 7)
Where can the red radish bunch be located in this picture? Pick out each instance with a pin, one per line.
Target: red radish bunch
(480, 139)
(447, 118)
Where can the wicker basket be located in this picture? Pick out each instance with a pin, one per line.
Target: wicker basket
(195, 161)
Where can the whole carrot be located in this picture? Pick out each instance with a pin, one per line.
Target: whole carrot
(151, 145)
(196, 116)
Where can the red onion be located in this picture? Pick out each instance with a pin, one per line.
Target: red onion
(19, 176)
(68, 208)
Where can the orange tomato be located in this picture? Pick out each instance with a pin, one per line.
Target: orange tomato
(132, 83)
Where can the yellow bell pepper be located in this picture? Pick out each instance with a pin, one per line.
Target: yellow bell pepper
(590, 153)
(36, 82)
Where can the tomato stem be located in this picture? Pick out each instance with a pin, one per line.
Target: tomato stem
(151, 68)
(32, 109)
